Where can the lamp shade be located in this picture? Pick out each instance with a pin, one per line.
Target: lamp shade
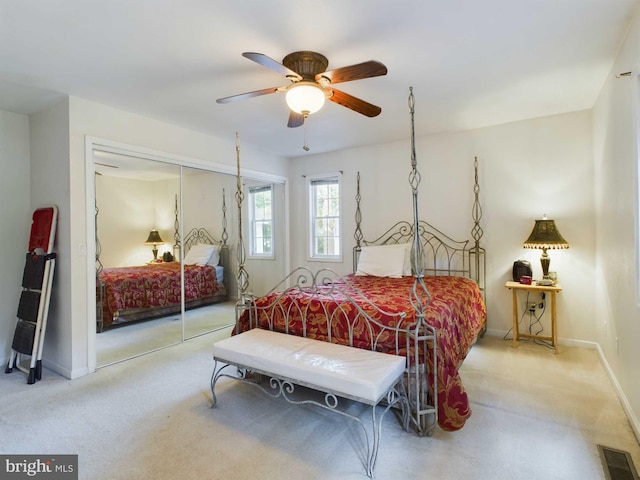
(545, 235)
(154, 238)
(305, 98)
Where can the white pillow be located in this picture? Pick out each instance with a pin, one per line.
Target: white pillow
(198, 254)
(215, 256)
(381, 261)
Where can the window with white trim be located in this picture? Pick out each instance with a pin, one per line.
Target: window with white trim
(261, 221)
(324, 225)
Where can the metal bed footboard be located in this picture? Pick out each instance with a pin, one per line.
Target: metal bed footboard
(323, 301)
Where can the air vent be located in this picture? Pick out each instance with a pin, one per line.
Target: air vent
(617, 464)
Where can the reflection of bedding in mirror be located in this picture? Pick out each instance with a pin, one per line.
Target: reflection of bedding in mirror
(133, 286)
(150, 291)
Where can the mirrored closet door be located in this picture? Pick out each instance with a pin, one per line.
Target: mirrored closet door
(138, 295)
(166, 250)
(208, 220)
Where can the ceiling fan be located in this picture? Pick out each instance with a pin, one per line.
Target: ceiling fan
(311, 84)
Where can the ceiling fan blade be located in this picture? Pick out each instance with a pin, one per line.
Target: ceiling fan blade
(354, 103)
(271, 64)
(368, 69)
(241, 96)
(295, 120)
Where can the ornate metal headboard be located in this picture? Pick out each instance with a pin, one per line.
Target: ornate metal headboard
(441, 255)
(200, 235)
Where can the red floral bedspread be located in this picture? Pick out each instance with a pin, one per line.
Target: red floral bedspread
(457, 312)
(134, 289)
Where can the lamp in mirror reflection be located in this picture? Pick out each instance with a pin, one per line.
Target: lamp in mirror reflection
(545, 236)
(155, 240)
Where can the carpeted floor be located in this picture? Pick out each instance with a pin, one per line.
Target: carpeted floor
(536, 415)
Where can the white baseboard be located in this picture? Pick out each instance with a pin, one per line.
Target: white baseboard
(54, 367)
(633, 420)
(65, 372)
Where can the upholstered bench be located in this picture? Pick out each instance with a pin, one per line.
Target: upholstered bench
(337, 370)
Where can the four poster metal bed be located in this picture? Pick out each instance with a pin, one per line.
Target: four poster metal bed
(430, 315)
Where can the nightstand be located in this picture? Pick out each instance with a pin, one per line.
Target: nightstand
(547, 289)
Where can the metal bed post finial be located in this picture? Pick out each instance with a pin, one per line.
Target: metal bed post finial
(477, 258)
(225, 235)
(420, 296)
(243, 276)
(476, 231)
(357, 235)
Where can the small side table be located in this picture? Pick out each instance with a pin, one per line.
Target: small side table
(551, 290)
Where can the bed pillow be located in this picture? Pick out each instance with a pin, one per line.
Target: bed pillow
(381, 261)
(199, 254)
(214, 259)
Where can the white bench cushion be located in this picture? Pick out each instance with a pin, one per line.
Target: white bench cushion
(356, 372)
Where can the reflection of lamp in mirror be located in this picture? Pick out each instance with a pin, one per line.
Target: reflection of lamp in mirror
(155, 240)
(545, 236)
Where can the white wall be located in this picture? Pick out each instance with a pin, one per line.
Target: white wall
(50, 185)
(15, 219)
(526, 169)
(615, 136)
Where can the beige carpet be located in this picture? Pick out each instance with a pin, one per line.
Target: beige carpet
(536, 415)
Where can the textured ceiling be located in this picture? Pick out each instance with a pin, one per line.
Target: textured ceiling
(471, 63)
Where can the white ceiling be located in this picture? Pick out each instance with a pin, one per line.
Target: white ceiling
(471, 63)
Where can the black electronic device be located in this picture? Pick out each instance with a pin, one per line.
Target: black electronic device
(521, 268)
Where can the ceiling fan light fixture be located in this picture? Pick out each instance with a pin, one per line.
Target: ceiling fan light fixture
(305, 98)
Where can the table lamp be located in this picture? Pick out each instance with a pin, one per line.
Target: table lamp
(545, 236)
(155, 240)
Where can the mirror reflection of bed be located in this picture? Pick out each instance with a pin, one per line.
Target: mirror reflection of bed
(134, 197)
(142, 304)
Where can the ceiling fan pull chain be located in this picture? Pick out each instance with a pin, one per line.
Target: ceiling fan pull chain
(306, 136)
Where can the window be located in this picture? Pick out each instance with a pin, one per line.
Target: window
(324, 202)
(261, 221)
